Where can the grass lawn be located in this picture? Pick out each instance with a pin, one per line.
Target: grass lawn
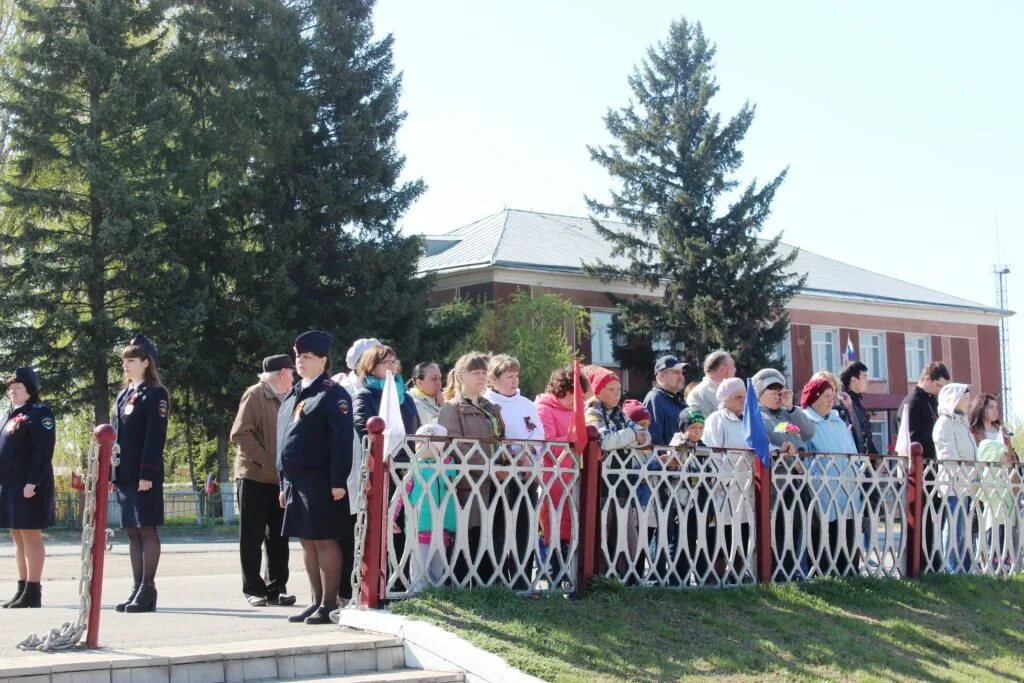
(938, 628)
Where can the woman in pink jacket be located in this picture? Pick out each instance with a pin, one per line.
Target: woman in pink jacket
(555, 410)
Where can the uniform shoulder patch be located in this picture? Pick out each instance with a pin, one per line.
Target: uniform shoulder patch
(343, 406)
(163, 407)
(47, 423)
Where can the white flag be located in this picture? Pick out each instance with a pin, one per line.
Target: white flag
(903, 438)
(391, 413)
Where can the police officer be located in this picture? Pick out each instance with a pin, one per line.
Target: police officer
(141, 421)
(314, 456)
(27, 435)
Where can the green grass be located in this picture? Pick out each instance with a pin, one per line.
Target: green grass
(936, 629)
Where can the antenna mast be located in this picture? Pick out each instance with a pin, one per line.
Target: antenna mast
(1001, 272)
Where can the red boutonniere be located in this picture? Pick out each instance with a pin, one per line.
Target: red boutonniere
(16, 422)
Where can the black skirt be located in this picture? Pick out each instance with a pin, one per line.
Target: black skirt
(19, 512)
(309, 510)
(140, 508)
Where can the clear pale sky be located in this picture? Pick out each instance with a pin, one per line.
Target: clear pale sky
(901, 123)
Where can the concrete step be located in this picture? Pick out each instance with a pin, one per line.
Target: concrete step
(339, 653)
(396, 676)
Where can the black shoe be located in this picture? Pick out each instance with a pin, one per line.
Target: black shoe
(144, 600)
(284, 600)
(256, 600)
(301, 616)
(119, 607)
(32, 596)
(322, 615)
(17, 593)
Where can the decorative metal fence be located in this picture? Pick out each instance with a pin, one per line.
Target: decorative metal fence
(540, 517)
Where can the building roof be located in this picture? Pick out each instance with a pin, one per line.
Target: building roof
(550, 242)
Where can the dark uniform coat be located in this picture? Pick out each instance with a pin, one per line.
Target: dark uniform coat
(314, 455)
(141, 419)
(27, 437)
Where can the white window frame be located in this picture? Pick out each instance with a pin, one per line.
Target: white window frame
(880, 373)
(836, 362)
(883, 422)
(599, 332)
(926, 354)
(661, 343)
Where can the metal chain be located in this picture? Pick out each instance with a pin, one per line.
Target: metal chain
(360, 528)
(70, 633)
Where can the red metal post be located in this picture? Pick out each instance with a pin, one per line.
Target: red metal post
(588, 513)
(763, 519)
(374, 555)
(915, 510)
(105, 436)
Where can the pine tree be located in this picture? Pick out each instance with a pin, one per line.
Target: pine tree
(80, 194)
(690, 226)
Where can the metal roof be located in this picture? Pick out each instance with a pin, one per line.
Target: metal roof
(551, 242)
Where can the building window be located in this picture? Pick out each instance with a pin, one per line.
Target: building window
(601, 342)
(825, 350)
(872, 354)
(661, 343)
(880, 434)
(918, 355)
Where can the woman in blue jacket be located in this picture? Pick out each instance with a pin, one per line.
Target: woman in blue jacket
(27, 436)
(140, 417)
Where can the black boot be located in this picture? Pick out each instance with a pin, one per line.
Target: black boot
(32, 596)
(301, 616)
(17, 593)
(322, 615)
(144, 600)
(131, 596)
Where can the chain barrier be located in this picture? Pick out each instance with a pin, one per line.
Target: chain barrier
(360, 527)
(69, 634)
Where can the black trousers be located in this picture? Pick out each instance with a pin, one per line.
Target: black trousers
(259, 525)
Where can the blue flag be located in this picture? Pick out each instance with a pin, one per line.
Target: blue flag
(753, 427)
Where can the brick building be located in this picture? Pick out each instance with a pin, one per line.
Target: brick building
(895, 327)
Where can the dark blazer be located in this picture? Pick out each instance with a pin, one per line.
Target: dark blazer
(314, 430)
(141, 433)
(367, 404)
(924, 411)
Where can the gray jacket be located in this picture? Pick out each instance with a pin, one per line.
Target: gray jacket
(773, 418)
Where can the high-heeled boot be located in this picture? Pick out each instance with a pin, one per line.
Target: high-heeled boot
(144, 600)
(17, 593)
(119, 607)
(32, 596)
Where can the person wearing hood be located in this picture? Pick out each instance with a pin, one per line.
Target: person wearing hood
(833, 477)
(665, 401)
(27, 437)
(554, 407)
(521, 422)
(954, 444)
(425, 388)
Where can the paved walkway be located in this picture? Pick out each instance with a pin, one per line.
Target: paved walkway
(200, 600)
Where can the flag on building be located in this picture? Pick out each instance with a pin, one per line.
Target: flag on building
(850, 355)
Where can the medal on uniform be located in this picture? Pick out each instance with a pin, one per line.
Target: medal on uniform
(130, 408)
(16, 422)
(298, 410)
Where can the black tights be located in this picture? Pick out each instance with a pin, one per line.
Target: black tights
(322, 558)
(144, 550)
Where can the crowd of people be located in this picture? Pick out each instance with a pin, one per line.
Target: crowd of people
(299, 448)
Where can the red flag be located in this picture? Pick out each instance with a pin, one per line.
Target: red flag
(578, 426)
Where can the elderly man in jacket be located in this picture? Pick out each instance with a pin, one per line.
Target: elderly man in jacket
(665, 401)
(254, 432)
(718, 367)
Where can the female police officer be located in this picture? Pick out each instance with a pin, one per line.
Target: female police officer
(314, 455)
(27, 435)
(141, 420)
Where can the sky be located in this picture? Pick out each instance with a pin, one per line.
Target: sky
(900, 123)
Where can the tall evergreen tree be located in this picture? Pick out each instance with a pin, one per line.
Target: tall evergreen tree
(80, 199)
(690, 227)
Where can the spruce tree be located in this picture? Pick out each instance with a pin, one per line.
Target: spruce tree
(690, 227)
(80, 195)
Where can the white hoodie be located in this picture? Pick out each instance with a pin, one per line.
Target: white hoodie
(519, 415)
(952, 434)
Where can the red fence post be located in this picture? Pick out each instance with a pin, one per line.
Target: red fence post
(915, 510)
(763, 519)
(105, 436)
(588, 513)
(374, 572)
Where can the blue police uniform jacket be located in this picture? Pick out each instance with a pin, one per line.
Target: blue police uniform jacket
(141, 433)
(314, 431)
(27, 437)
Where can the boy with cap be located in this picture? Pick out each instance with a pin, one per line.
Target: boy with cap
(254, 433)
(665, 400)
